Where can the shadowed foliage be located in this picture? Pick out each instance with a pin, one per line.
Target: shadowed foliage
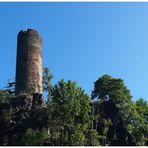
(69, 117)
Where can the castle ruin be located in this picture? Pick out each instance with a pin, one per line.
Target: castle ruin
(29, 62)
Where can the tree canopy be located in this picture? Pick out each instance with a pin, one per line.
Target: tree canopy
(70, 117)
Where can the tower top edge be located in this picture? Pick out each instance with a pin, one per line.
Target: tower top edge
(29, 31)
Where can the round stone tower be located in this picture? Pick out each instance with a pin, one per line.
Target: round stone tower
(29, 62)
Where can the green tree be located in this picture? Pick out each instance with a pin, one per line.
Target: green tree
(138, 121)
(112, 111)
(33, 137)
(47, 77)
(70, 114)
(4, 96)
(5, 117)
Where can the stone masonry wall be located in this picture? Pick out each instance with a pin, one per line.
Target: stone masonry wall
(29, 62)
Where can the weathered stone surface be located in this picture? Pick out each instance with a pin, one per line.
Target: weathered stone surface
(38, 101)
(21, 101)
(25, 109)
(29, 62)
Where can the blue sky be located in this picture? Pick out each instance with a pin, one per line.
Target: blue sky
(82, 41)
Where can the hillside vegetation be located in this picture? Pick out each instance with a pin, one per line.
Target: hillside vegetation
(70, 117)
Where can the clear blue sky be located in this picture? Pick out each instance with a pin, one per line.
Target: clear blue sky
(82, 41)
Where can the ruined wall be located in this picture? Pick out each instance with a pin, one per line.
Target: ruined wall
(29, 62)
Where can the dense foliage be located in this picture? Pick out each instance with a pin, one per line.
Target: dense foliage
(70, 117)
